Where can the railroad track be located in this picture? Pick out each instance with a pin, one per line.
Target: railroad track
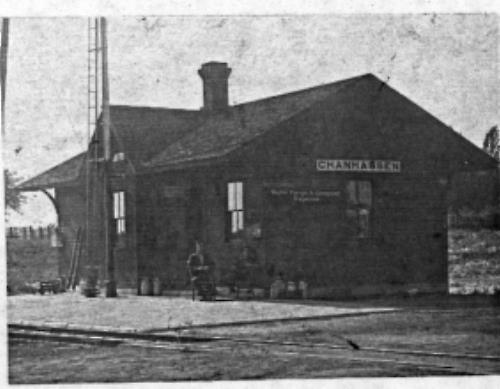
(440, 362)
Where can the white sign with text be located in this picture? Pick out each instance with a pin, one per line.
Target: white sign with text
(358, 165)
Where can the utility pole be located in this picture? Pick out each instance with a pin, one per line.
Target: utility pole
(110, 282)
(3, 66)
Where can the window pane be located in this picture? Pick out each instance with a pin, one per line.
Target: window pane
(351, 192)
(120, 226)
(118, 157)
(231, 204)
(122, 204)
(116, 205)
(240, 220)
(239, 195)
(234, 222)
(364, 222)
(365, 193)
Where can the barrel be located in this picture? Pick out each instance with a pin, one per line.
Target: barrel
(146, 287)
(277, 289)
(303, 289)
(291, 289)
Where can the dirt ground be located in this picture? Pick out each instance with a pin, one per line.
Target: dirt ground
(85, 364)
(467, 322)
(145, 312)
(466, 325)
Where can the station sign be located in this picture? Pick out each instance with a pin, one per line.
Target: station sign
(304, 195)
(358, 165)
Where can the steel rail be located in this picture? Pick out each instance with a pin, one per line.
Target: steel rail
(205, 344)
(365, 348)
(176, 337)
(193, 348)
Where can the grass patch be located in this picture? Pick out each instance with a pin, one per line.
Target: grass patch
(29, 261)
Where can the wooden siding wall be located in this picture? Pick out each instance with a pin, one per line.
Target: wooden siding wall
(407, 244)
(73, 208)
(125, 247)
(162, 233)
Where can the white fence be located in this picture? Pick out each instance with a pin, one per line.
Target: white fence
(31, 233)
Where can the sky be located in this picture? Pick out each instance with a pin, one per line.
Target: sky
(446, 63)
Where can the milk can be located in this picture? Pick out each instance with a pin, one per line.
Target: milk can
(291, 289)
(157, 286)
(146, 287)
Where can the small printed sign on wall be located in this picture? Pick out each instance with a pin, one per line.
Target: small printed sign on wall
(358, 165)
(305, 195)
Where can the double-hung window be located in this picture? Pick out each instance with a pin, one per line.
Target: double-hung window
(119, 212)
(235, 207)
(359, 204)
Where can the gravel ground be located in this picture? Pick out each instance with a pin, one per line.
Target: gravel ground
(143, 313)
(465, 324)
(39, 363)
(459, 330)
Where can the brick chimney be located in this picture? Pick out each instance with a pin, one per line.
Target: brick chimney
(215, 88)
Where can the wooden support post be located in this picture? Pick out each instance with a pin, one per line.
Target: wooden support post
(106, 123)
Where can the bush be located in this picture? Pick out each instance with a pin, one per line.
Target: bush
(465, 217)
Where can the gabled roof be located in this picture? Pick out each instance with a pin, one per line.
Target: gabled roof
(163, 138)
(147, 131)
(65, 173)
(143, 132)
(226, 131)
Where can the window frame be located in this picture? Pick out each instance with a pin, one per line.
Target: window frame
(119, 156)
(235, 208)
(119, 213)
(359, 209)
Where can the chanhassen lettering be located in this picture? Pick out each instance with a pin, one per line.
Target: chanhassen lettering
(358, 165)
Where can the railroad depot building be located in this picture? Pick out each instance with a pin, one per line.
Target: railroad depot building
(342, 185)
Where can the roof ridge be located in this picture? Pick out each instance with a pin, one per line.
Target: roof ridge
(238, 113)
(256, 101)
(309, 89)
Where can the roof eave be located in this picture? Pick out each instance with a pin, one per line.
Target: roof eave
(185, 164)
(26, 187)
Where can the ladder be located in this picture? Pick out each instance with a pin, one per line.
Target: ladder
(93, 111)
(94, 50)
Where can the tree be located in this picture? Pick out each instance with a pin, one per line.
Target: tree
(491, 143)
(13, 198)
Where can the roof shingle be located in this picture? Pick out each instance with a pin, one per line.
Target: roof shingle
(163, 138)
(146, 131)
(224, 132)
(62, 174)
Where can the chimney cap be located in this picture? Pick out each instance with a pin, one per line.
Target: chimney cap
(214, 69)
(215, 77)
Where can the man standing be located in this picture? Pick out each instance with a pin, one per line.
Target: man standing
(201, 272)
